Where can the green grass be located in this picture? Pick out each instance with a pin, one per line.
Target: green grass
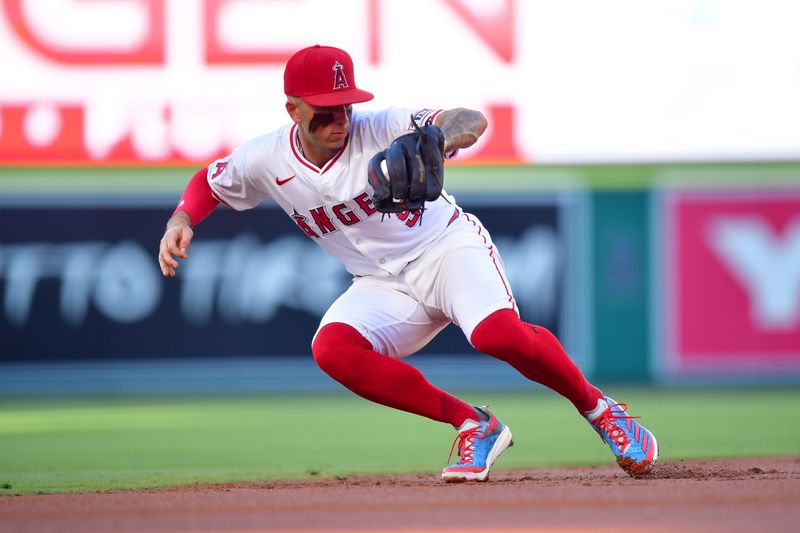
(78, 181)
(56, 445)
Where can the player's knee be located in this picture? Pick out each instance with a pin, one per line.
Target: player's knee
(503, 334)
(335, 348)
(495, 334)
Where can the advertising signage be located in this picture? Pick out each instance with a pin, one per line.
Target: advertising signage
(730, 282)
(176, 81)
(81, 280)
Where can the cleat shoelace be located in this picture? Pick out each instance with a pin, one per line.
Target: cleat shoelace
(607, 423)
(466, 445)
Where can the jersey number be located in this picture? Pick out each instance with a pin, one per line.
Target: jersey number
(411, 217)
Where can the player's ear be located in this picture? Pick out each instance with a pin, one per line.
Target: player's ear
(293, 109)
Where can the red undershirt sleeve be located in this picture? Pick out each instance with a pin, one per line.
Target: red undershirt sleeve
(198, 199)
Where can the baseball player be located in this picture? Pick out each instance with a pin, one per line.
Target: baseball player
(419, 262)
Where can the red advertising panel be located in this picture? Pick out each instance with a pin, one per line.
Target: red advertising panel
(171, 82)
(732, 282)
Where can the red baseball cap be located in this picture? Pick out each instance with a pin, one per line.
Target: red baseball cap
(323, 76)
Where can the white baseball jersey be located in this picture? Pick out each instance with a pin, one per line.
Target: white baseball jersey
(331, 205)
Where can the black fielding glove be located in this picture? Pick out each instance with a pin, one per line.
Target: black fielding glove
(410, 172)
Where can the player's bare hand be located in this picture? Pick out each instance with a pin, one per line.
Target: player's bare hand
(174, 245)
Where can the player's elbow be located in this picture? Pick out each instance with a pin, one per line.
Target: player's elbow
(480, 121)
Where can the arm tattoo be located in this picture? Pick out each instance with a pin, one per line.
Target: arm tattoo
(461, 127)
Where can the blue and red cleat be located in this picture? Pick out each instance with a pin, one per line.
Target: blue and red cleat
(632, 444)
(480, 443)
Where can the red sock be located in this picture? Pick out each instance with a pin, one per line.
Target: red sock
(536, 354)
(345, 355)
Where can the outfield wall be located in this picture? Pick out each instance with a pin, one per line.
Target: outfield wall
(674, 281)
(80, 279)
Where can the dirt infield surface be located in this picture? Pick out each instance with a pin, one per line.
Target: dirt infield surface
(758, 494)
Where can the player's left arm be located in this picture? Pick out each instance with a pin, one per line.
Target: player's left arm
(461, 127)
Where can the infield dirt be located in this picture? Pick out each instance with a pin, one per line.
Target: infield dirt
(755, 494)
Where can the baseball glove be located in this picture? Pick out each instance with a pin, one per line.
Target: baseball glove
(409, 172)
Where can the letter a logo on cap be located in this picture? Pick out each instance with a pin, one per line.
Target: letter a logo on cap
(339, 79)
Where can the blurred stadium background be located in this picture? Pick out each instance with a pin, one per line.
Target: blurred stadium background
(641, 175)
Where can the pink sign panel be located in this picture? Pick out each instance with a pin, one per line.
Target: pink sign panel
(732, 282)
